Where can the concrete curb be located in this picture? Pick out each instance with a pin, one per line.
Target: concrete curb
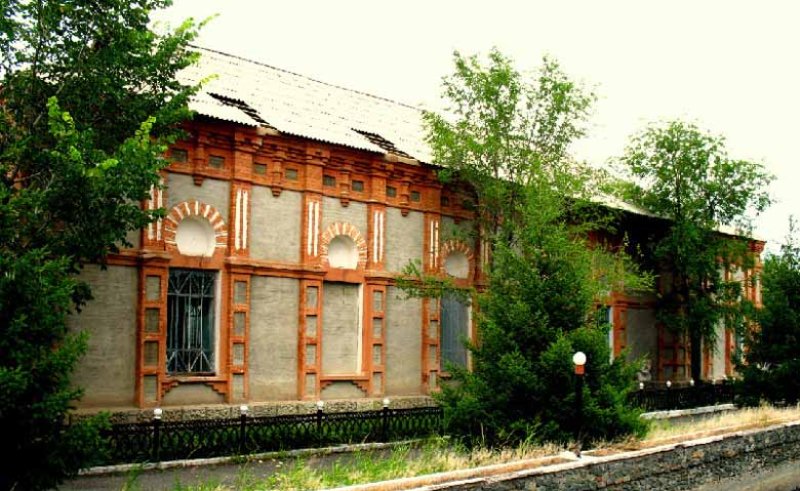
(233, 459)
(678, 413)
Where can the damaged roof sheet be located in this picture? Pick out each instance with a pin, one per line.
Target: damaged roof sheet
(301, 106)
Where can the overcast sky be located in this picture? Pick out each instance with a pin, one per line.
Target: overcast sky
(729, 66)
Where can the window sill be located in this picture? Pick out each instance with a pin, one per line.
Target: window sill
(204, 377)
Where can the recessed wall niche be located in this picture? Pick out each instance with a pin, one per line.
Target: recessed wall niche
(342, 253)
(195, 237)
(457, 264)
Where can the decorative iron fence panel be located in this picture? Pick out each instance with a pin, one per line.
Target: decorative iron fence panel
(171, 440)
(664, 399)
(129, 442)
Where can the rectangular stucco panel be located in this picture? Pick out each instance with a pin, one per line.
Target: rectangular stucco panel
(340, 328)
(214, 192)
(194, 393)
(273, 338)
(354, 213)
(403, 344)
(404, 237)
(275, 225)
(342, 390)
(108, 370)
(134, 237)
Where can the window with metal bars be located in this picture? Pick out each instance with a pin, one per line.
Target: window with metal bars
(455, 331)
(190, 321)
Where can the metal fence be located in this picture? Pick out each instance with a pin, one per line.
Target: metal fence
(170, 440)
(667, 398)
(159, 440)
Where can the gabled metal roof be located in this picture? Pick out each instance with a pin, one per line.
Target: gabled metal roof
(258, 95)
(254, 94)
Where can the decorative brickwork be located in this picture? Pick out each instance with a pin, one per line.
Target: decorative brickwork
(194, 208)
(341, 228)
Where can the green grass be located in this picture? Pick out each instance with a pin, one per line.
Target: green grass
(405, 460)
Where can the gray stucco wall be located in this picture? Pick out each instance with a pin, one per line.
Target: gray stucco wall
(340, 328)
(642, 335)
(404, 238)
(275, 225)
(181, 187)
(108, 370)
(135, 238)
(342, 390)
(462, 231)
(194, 393)
(403, 344)
(354, 213)
(273, 338)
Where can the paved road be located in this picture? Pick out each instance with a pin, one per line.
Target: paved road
(158, 480)
(228, 475)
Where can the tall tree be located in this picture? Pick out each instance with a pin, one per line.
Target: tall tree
(772, 360)
(88, 103)
(507, 138)
(685, 175)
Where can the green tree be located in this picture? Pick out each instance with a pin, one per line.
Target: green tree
(772, 362)
(686, 176)
(88, 104)
(506, 138)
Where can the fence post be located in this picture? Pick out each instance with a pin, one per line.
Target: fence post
(672, 402)
(320, 407)
(157, 434)
(242, 427)
(385, 420)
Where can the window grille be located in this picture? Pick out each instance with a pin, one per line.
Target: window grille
(190, 319)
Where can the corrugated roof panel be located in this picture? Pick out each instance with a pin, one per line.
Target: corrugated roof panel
(301, 106)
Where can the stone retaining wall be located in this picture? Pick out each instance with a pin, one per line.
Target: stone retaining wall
(682, 466)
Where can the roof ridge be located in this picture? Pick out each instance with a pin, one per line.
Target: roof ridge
(409, 106)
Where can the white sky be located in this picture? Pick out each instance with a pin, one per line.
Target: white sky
(729, 66)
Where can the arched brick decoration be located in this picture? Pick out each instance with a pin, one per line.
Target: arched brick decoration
(453, 245)
(343, 228)
(194, 208)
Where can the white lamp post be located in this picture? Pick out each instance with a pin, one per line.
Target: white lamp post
(579, 359)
